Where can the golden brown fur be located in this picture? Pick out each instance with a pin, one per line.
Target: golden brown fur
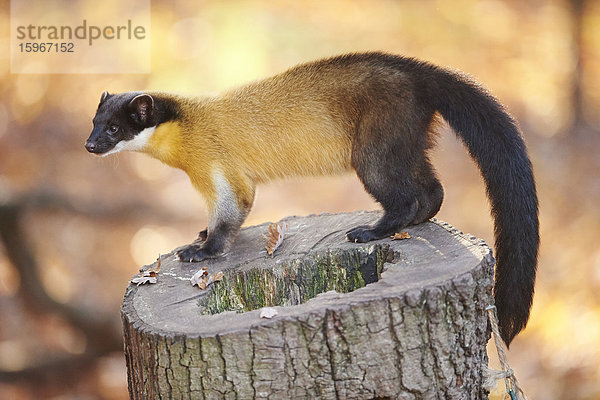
(275, 128)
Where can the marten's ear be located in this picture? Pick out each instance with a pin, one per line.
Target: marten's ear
(103, 98)
(142, 107)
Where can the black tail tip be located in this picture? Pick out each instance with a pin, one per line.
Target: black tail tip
(510, 325)
(507, 336)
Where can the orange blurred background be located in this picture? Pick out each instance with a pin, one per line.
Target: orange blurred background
(89, 222)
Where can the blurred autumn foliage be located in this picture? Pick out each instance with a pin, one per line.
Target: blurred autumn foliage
(75, 227)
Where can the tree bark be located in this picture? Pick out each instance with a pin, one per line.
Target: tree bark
(401, 319)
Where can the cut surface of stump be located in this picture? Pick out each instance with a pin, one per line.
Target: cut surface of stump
(399, 319)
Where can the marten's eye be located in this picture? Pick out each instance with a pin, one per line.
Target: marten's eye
(113, 129)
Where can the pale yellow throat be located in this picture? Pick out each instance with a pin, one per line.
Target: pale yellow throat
(165, 144)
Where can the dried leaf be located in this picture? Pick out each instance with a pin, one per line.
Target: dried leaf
(197, 277)
(156, 269)
(268, 312)
(401, 236)
(217, 276)
(140, 280)
(148, 276)
(202, 279)
(275, 237)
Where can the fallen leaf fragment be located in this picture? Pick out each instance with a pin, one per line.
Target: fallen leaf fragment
(275, 237)
(401, 236)
(198, 276)
(148, 276)
(268, 312)
(217, 276)
(140, 280)
(156, 269)
(202, 279)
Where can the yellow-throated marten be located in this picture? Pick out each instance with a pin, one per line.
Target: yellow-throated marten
(370, 112)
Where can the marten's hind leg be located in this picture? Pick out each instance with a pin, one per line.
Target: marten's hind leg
(408, 197)
(431, 194)
(394, 169)
(397, 194)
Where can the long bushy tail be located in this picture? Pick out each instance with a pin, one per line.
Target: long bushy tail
(495, 143)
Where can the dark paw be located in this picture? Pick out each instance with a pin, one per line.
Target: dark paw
(192, 253)
(361, 234)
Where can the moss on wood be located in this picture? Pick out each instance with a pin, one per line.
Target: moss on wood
(297, 282)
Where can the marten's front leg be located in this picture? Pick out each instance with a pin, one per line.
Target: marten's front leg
(228, 211)
(220, 235)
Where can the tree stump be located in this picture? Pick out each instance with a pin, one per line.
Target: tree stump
(397, 319)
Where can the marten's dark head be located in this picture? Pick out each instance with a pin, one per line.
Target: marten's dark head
(123, 122)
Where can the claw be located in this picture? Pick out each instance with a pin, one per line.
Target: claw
(192, 253)
(361, 234)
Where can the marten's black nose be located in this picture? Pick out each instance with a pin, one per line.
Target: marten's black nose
(90, 146)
